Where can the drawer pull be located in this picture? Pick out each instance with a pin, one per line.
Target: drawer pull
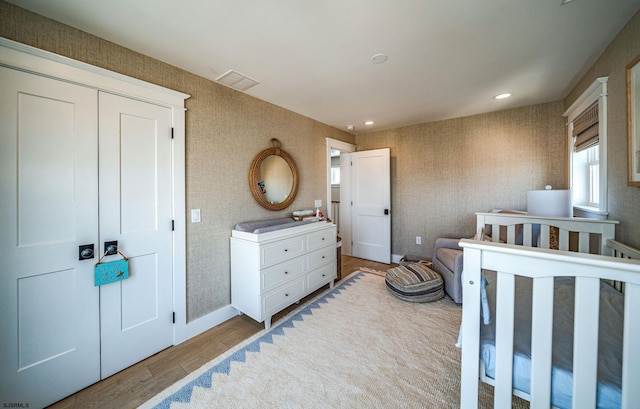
(323, 239)
(286, 272)
(322, 256)
(286, 295)
(285, 250)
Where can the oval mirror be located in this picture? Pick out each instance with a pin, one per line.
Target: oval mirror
(273, 178)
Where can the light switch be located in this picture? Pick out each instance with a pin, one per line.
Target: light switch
(195, 215)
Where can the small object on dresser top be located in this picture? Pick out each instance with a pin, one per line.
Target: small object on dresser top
(300, 215)
(304, 213)
(312, 218)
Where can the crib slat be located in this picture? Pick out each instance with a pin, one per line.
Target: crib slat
(630, 351)
(511, 234)
(583, 244)
(470, 329)
(541, 342)
(495, 233)
(585, 342)
(563, 240)
(526, 234)
(504, 340)
(544, 236)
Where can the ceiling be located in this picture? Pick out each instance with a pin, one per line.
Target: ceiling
(446, 58)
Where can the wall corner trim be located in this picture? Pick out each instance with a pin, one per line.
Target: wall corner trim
(206, 322)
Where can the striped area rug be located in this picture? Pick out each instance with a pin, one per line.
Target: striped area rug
(355, 346)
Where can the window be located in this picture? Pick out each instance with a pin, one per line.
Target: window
(335, 175)
(586, 177)
(593, 154)
(587, 120)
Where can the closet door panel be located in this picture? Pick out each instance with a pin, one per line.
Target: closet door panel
(46, 167)
(139, 181)
(135, 202)
(48, 207)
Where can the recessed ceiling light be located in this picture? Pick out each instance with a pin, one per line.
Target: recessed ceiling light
(351, 127)
(379, 58)
(368, 123)
(502, 96)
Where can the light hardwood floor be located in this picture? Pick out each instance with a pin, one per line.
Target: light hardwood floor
(140, 382)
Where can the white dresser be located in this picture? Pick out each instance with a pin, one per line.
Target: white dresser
(270, 271)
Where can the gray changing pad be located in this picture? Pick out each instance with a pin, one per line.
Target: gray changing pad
(264, 226)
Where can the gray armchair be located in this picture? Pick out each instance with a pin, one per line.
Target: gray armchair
(447, 260)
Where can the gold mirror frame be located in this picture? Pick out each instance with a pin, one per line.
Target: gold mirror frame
(254, 176)
(633, 122)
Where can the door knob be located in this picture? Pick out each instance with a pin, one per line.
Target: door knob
(111, 247)
(85, 251)
(386, 211)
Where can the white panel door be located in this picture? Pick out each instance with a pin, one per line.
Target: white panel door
(136, 210)
(49, 343)
(371, 195)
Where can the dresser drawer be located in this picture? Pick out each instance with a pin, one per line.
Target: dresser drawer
(281, 273)
(321, 239)
(321, 257)
(321, 276)
(280, 251)
(278, 299)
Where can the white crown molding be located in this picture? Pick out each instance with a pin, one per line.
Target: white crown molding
(36, 61)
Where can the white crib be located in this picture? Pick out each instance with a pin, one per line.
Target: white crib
(543, 265)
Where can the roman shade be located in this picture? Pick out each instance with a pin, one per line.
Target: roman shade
(585, 128)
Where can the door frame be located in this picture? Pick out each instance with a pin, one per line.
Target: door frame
(345, 227)
(29, 59)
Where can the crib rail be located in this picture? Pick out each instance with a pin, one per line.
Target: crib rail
(621, 250)
(537, 231)
(542, 265)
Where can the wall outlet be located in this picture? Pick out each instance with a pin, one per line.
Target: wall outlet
(418, 240)
(195, 215)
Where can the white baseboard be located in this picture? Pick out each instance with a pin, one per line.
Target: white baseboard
(395, 258)
(204, 323)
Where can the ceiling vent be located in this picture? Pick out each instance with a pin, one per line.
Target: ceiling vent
(236, 80)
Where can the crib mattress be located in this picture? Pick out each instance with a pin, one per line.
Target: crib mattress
(609, 343)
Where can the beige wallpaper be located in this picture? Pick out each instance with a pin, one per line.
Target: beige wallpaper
(225, 130)
(624, 201)
(443, 172)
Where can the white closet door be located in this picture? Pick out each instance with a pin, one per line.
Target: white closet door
(49, 343)
(136, 210)
(371, 195)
